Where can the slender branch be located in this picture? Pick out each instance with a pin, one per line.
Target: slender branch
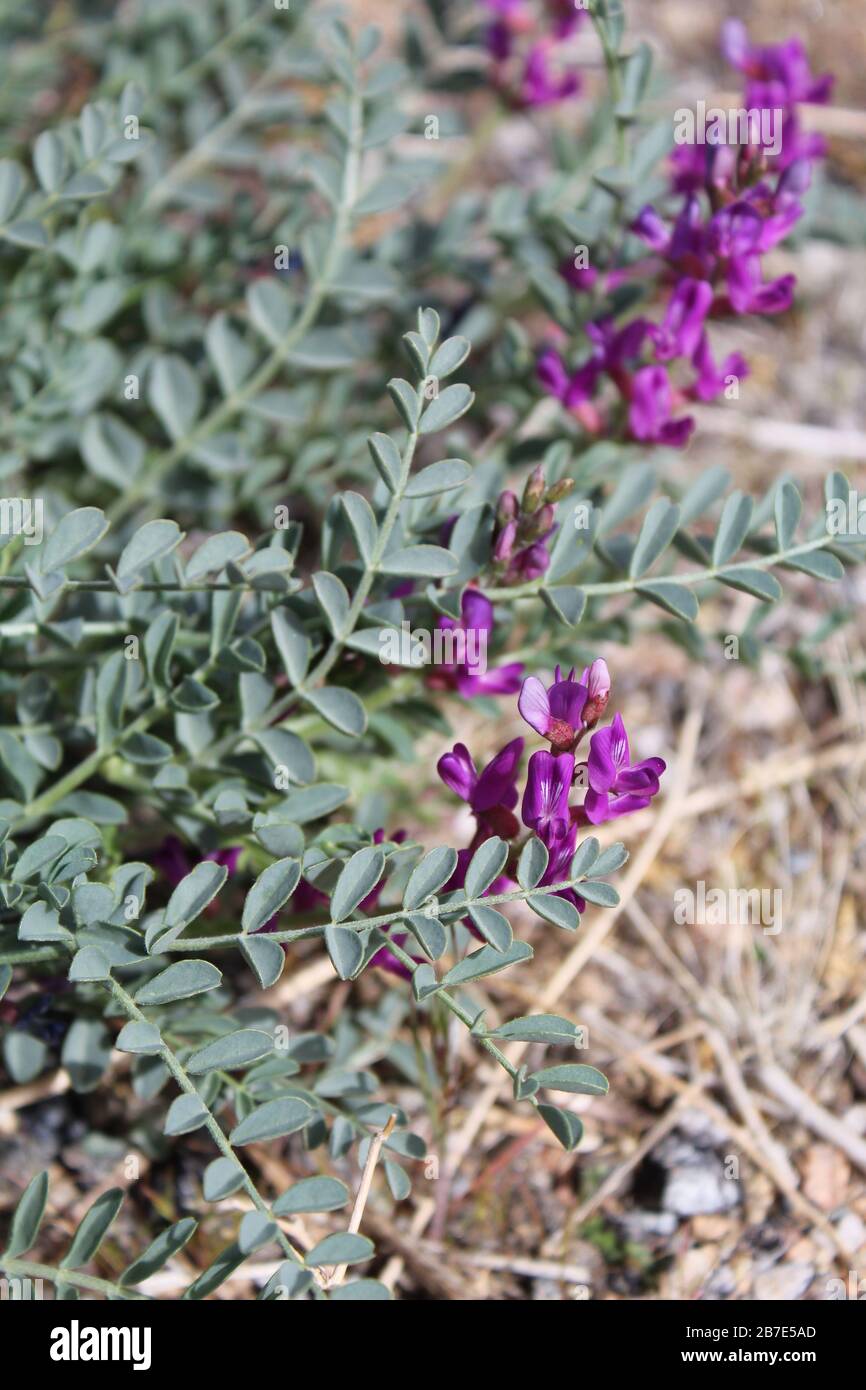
(212, 1125)
(200, 943)
(688, 577)
(362, 593)
(30, 1269)
(339, 1274)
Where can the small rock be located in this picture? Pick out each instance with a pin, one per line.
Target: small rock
(826, 1174)
(640, 1224)
(695, 1183)
(695, 1191)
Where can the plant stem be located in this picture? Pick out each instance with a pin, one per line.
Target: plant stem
(196, 943)
(29, 1269)
(687, 577)
(212, 1125)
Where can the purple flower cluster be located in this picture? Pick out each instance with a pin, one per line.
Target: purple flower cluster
(527, 65)
(738, 202)
(562, 714)
(524, 528)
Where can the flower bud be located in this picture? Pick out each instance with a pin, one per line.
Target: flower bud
(505, 543)
(539, 524)
(506, 508)
(534, 562)
(559, 490)
(534, 491)
(596, 678)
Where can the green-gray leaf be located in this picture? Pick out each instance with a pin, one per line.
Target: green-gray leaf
(429, 875)
(438, 478)
(341, 1248)
(266, 958)
(312, 1194)
(185, 1114)
(141, 1038)
(358, 877)
(421, 562)
(486, 864)
(733, 528)
(345, 948)
(532, 863)
(658, 530)
(77, 532)
(564, 1124)
(293, 644)
(341, 708)
(179, 981)
(575, 1077)
(487, 962)
(272, 1120)
(274, 886)
(93, 1228)
(559, 911)
(493, 926)
(549, 1029)
(27, 1216)
(231, 1052)
(160, 1251)
(445, 408)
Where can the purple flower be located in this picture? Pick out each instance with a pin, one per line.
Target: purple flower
(562, 712)
(749, 294)
(740, 201)
(491, 794)
(570, 388)
(546, 812)
(539, 87)
(649, 412)
(779, 73)
(712, 380)
(566, 16)
(581, 277)
(532, 563)
(616, 346)
(617, 787)
(683, 323)
(545, 797)
(476, 618)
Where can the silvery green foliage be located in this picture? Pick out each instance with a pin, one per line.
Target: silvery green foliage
(230, 500)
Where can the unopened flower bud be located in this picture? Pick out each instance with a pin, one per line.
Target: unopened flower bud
(506, 508)
(559, 490)
(505, 543)
(596, 678)
(533, 493)
(534, 562)
(539, 524)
